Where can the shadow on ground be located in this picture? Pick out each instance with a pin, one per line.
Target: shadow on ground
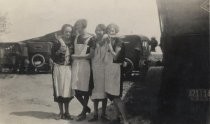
(36, 114)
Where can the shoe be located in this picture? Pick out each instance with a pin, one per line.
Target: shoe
(59, 116)
(67, 116)
(81, 117)
(104, 118)
(84, 111)
(95, 118)
(126, 123)
(80, 114)
(87, 110)
(115, 121)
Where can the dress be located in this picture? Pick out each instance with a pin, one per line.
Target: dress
(98, 68)
(113, 84)
(62, 72)
(81, 67)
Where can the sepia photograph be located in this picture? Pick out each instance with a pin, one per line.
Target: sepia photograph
(104, 62)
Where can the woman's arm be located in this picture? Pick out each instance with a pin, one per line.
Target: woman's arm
(115, 52)
(80, 56)
(86, 56)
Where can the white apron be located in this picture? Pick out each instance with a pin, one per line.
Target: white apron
(62, 76)
(80, 67)
(112, 74)
(98, 72)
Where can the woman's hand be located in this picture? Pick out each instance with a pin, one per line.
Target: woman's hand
(51, 63)
(74, 57)
(106, 38)
(110, 47)
(125, 64)
(79, 56)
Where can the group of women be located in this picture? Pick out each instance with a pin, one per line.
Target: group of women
(87, 66)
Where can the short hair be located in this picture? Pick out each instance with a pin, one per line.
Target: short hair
(65, 26)
(112, 25)
(101, 27)
(82, 22)
(153, 38)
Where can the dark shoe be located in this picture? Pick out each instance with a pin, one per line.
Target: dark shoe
(80, 114)
(59, 116)
(115, 121)
(84, 111)
(87, 110)
(104, 118)
(81, 117)
(95, 118)
(67, 116)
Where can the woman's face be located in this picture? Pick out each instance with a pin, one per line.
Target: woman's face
(99, 32)
(79, 29)
(112, 31)
(67, 32)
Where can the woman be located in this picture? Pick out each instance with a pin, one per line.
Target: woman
(98, 93)
(83, 52)
(61, 70)
(113, 62)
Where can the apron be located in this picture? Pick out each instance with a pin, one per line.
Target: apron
(99, 73)
(112, 74)
(62, 75)
(80, 67)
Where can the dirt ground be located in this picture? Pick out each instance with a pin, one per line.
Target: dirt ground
(28, 99)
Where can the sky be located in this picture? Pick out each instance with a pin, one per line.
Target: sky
(33, 18)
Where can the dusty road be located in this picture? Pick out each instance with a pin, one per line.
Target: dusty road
(28, 99)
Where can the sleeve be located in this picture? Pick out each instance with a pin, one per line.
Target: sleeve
(71, 48)
(118, 43)
(91, 44)
(55, 47)
(121, 55)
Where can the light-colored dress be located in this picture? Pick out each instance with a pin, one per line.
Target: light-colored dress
(81, 67)
(62, 75)
(98, 68)
(112, 74)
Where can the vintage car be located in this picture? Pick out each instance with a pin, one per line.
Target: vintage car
(25, 57)
(39, 52)
(138, 57)
(10, 56)
(38, 55)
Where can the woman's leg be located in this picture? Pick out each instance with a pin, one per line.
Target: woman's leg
(60, 116)
(120, 106)
(95, 116)
(84, 102)
(81, 100)
(86, 99)
(104, 105)
(103, 114)
(95, 107)
(66, 106)
(60, 105)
